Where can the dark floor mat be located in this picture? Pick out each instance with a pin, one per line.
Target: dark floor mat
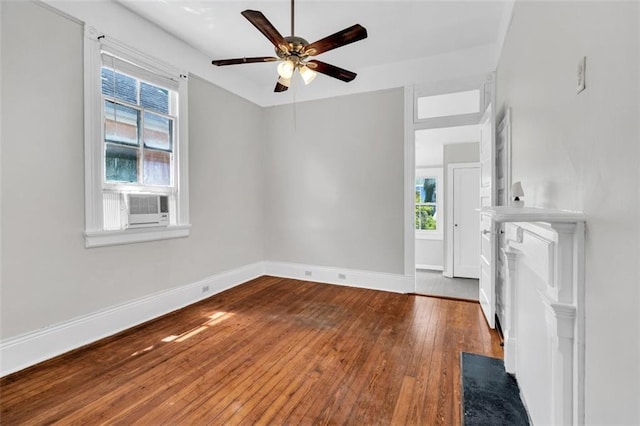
(490, 396)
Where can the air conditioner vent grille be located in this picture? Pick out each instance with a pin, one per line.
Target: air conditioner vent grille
(148, 210)
(143, 204)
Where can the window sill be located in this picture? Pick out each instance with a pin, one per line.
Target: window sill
(130, 236)
(429, 235)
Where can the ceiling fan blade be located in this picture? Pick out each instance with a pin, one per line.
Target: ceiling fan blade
(339, 39)
(331, 70)
(280, 87)
(221, 62)
(266, 28)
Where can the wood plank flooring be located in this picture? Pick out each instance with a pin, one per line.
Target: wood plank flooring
(271, 351)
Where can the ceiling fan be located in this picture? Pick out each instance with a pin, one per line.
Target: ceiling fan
(294, 52)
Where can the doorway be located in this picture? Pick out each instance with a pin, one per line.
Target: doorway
(437, 151)
(439, 108)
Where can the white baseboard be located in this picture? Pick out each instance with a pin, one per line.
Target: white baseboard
(395, 283)
(509, 355)
(429, 267)
(17, 353)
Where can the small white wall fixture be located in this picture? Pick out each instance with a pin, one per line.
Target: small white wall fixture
(544, 309)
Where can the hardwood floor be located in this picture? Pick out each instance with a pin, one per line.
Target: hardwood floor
(271, 351)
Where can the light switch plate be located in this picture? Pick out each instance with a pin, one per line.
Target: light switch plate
(582, 70)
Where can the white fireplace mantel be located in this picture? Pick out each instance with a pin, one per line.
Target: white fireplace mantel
(532, 214)
(543, 256)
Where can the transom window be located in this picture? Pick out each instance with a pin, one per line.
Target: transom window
(448, 104)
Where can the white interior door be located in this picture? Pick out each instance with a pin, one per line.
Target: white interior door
(503, 190)
(487, 198)
(466, 243)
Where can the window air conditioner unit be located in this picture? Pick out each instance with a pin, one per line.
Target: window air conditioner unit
(148, 210)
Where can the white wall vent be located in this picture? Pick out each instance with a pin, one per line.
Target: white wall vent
(148, 210)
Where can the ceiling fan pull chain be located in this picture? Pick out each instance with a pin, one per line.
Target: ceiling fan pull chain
(295, 109)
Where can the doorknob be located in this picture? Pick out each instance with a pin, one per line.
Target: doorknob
(486, 232)
(456, 225)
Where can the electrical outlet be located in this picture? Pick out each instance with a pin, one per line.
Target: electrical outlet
(342, 276)
(307, 273)
(582, 71)
(205, 288)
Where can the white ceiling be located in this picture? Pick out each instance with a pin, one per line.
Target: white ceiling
(409, 41)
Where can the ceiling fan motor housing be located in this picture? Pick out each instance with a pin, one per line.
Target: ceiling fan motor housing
(295, 51)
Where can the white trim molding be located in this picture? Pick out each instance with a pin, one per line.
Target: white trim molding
(509, 327)
(428, 267)
(545, 310)
(561, 324)
(409, 228)
(92, 130)
(139, 235)
(17, 353)
(394, 283)
(96, 234)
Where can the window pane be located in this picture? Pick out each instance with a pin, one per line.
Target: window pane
(120, 123)
(121, 163)
(157, 167)
(449, 104)
(426, 217)
(426, 203)
(425, 190)
(154, 98)
(158, 131)
(119, 86)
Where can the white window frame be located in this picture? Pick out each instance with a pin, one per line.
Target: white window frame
(95, 233)
(438, 233)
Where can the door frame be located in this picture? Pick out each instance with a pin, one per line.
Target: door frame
(487, 198)
(448, 260)
(411, 124)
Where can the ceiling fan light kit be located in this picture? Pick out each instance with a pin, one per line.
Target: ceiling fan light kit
(307, 74)
(286, 69)
(294, 52)
(286, 82)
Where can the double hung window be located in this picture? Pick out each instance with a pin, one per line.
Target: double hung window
(428, 199)
(426, 209)
(139, 128)
(135, 141)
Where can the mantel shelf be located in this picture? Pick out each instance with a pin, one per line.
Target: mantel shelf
(531, 214)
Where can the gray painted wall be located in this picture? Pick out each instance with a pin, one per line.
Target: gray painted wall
(430, 253)
(329, 193)
(581, 152)
(468, 152)
(334, 182)
(47, 274)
